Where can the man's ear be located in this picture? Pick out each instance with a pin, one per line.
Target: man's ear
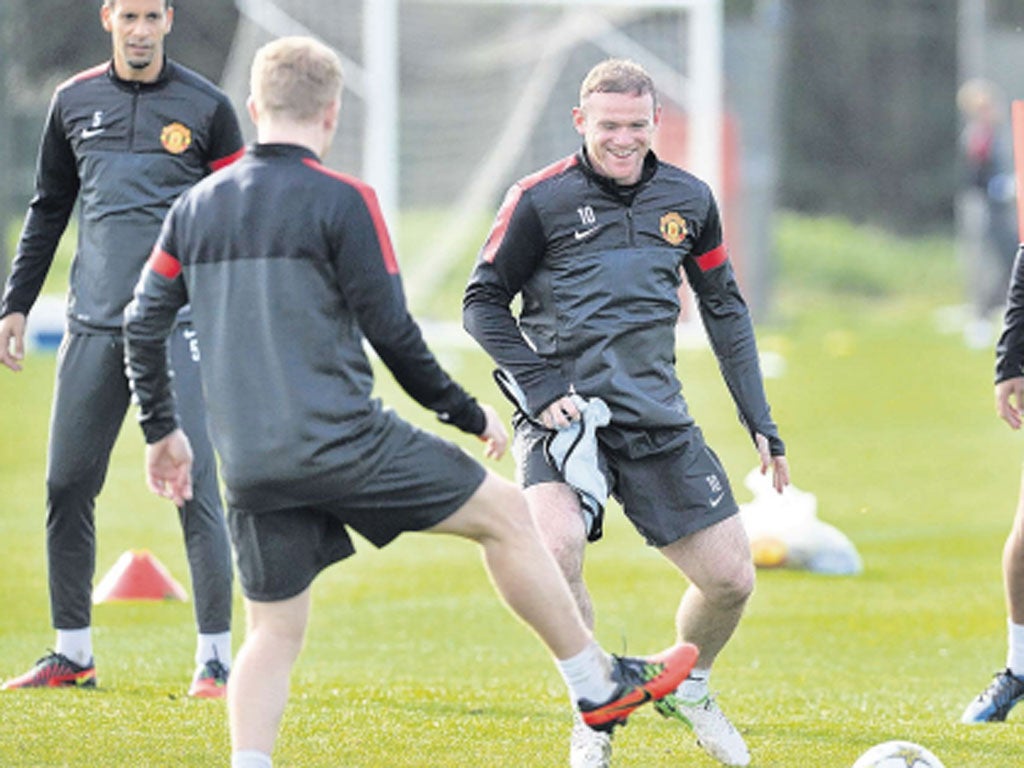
(579, 120)
(331, 115)
(254, 113)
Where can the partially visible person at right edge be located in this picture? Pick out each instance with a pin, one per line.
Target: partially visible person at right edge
(288, 266)
(994, 703)
(595, 244)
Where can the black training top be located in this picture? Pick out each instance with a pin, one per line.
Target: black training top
(598, 269)
(288, 265)
(1010, 348)
(125, 150)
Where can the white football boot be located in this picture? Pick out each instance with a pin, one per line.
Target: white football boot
(589, 748)
(715, 734)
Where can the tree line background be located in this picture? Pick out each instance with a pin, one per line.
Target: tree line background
(53, 37)
(866, 110)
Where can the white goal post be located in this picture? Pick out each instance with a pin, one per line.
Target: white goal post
(524, 49)
(700, 92)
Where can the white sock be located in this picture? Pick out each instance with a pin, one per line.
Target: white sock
(215, 646)
(250, 758)
(76, 644)
(1015, 644)
(695, 686)
(588, 675)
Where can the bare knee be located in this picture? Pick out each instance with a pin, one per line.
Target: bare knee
(736, 586)
(528, 520)
(280, 625)
(568, 555)
(717, 562)
(510, 514)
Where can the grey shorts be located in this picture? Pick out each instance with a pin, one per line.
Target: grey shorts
(670, 484)
(427, 479)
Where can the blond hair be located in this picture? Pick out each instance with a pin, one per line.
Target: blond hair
(618, 76)
(297, 77)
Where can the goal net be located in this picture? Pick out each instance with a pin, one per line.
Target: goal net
(447, 102)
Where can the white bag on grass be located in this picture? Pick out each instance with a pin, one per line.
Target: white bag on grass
(785, 532)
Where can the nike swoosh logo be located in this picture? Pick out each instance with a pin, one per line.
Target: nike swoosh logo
(88, 133)
(618, 711)
(641, 696)
(716, 500)
(584, 234)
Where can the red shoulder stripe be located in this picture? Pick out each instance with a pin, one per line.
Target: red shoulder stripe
(712, 259)
(370, 198)
(222, 162)
(164, 263)
(547, 172)
(99, 69)
(501, 223)
(508, 206)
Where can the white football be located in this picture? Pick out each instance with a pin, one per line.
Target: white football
(898, 754)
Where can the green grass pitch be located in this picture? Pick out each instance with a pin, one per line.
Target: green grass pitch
(411, 661)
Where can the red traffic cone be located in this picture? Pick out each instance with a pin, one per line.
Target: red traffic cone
(138, 575)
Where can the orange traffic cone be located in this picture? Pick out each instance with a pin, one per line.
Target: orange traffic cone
(138, 575)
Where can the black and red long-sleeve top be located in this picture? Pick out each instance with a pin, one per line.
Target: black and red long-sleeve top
(124, 151)
(598, 269)
(288, 267)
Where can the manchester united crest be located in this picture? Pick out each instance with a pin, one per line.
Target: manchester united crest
(176, 138)
(673, 228)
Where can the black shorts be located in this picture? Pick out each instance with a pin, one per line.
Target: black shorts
(427, 479)
(670, 485)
